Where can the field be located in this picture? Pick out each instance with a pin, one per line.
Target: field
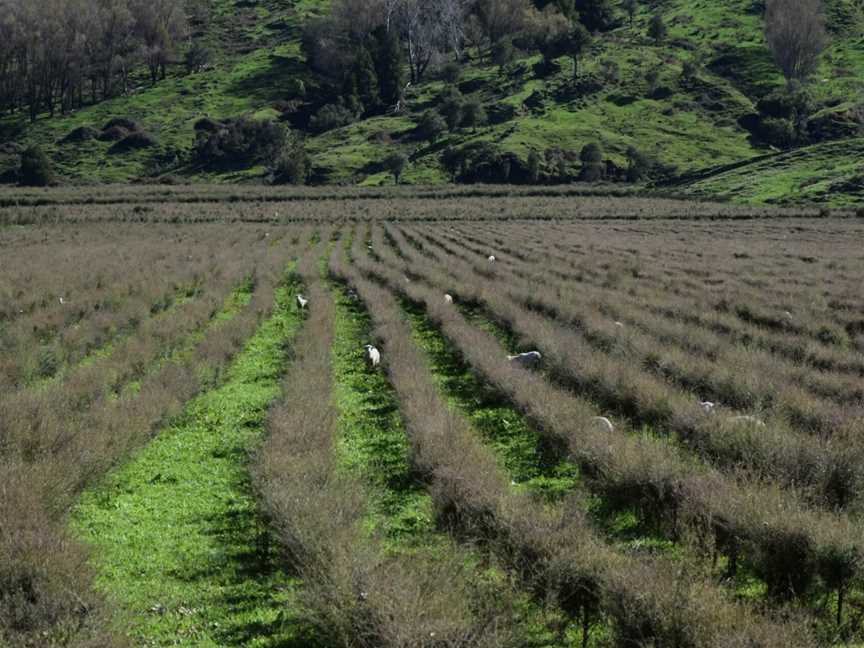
(188, 457)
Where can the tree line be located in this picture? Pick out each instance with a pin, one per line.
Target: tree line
(55, 55)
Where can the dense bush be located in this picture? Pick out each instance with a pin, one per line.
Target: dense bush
(477, 162)
(134, 141)
(293, 165)
(239, 141)
(80, 134)
(592, 163)
(431, 126)
(331, 117)
(36, 168)
(113, 134)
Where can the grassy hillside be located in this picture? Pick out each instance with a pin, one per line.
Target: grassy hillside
(691, 124)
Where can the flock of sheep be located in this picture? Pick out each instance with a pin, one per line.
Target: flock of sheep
(533, 359)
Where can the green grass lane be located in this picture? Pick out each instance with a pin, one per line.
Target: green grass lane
(176, 535)
(372, 440)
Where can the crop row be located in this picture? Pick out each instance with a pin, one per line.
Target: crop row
(596, 348)
(712, 279)
(58, 439)
(554, 548)
(812, 296)
(793, 549)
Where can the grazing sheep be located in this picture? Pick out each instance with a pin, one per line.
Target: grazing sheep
(302, 301)
(602, 423)
(707, 406)
(492, 258)
(373, 355)
(448, 299)
(527, 360)
(746, 420)
(63, 301)
(619, 324)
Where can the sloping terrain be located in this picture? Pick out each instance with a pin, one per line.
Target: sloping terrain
(689, 123)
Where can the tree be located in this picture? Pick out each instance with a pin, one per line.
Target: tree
(534, 163)
(431, 126)
(293, 165)
(652, 76)
(36, 168)
(389, 66)
(395, 164)
(502, 52)
(657, 29)
(159, 25)
(578, 40)
(592, 163)
(596, 15)
(500, 18)
(795, 31)
(631, 7)
(473, 114)
(197, 57)
(363, 81)
(451, 108)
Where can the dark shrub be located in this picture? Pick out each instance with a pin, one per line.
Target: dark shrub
(36, 168)
(473, 114)
(198, 57)
(331, 117)
(80, 134)
(592, 163)
(477, 162)
(122, 122)
(134, 142)
(778, 131)
(451, 72)
(642, 166)
(240, 141)
(208, 125)
(113, 134)
(431, 126)
(450, 105)
(395, 164)
(293, 165)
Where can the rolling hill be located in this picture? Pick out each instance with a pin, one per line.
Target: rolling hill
(696, 124)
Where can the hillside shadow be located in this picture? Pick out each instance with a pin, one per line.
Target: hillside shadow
(269, 83)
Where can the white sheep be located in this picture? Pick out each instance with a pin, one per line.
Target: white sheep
(302, 301)
(448, 299)
(63, 301)
(707, 406)
(528, 359)
(619, 324)
(373, 355)
(492, 258)
(746, 419)
(602, 423)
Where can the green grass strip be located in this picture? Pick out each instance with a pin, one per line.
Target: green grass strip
(521, 450)
(372, 441)
(177, 539)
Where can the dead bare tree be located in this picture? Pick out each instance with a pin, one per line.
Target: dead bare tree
(795, 31)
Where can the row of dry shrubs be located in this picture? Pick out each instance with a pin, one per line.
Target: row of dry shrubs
(356, 593)
(750, 361)
(59, 440)
(791, 547)
(554, 550)
(695, 283)
(107, 292)
(587, 352)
